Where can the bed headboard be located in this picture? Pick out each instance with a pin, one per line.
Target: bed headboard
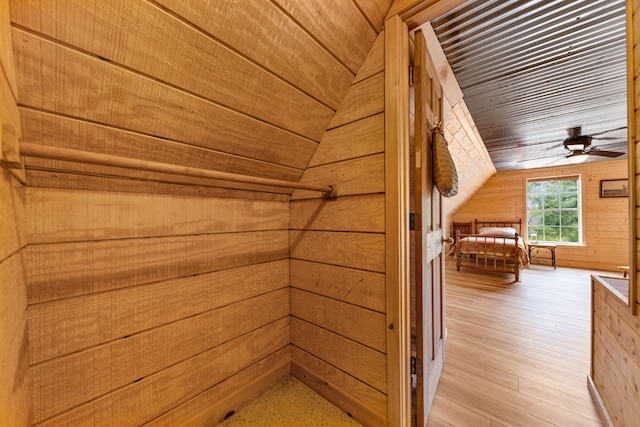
(517, 224)
(464, 228)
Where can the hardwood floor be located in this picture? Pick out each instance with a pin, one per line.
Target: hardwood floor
(517, 354)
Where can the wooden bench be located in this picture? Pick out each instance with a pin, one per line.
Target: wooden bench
(550, 246)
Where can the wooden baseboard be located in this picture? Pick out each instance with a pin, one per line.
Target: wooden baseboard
(338, 397)
(597, 400)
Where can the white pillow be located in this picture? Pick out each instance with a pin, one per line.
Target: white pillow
(498, 231)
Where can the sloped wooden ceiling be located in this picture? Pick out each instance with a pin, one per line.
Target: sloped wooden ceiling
(246, 87)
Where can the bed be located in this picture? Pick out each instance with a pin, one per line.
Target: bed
(491, 246)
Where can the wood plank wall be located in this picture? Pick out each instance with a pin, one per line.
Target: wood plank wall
(605, 221)
(635, 89)
(149, 308)
(338, 256)
(150, 301)
(15, 400)
(242, 87)
(615, 367)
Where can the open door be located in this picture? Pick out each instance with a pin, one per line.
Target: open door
(429, 245)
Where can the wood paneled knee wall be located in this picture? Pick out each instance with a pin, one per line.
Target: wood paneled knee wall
(150, 308)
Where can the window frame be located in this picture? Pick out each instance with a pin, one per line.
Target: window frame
(579, 209)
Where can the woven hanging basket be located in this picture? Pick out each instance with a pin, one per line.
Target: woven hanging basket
(444, 170)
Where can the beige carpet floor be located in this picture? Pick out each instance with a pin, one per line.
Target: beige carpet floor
(290, 403)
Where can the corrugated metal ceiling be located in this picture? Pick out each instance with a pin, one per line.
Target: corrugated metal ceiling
(529, 70)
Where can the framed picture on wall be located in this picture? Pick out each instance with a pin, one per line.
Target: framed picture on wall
(614, 188)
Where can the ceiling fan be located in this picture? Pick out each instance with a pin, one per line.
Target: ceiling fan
(578, 144)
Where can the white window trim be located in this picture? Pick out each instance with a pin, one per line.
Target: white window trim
(581, 240)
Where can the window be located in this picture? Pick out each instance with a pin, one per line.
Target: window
(553, 210)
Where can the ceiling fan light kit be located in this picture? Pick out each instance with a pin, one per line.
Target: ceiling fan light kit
(578, 144)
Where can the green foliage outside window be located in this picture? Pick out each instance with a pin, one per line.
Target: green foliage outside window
(553, 211)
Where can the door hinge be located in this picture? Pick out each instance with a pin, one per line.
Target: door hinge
(416, 366)
(410, 75)
(414, 221)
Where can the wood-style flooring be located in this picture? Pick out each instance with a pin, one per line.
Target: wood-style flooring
(517, 353)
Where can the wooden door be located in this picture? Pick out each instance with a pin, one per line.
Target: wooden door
(429, 253)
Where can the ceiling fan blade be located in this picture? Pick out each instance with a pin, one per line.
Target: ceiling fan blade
(607, 131)
(607, 138)
(604, 153)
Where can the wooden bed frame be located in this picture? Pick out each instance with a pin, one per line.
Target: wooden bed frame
(488, 253)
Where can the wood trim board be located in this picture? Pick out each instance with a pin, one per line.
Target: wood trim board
(396, 220)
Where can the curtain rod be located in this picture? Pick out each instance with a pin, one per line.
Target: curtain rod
(57, 153)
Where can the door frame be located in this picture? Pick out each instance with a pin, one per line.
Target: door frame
(404, 16)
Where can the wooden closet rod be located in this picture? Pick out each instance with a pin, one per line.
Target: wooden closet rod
(56, 153)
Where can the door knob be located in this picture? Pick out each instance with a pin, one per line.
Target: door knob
(448, 240)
